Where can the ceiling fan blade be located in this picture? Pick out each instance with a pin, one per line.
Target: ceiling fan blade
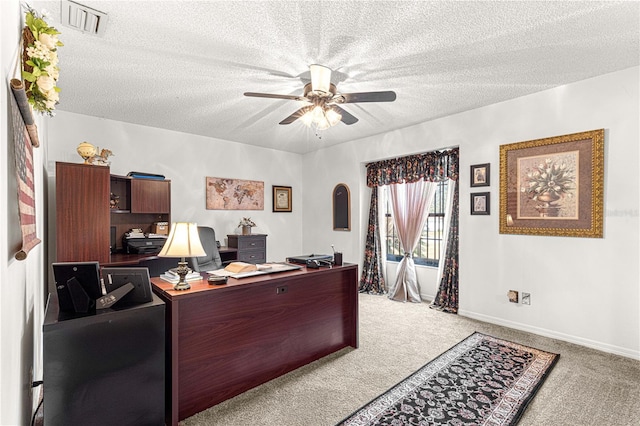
(347, 118)
(351, 98)
(274, 96)
(293, 117)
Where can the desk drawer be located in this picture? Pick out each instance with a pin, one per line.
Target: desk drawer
(252, 256)
(251, 248)
(250, 242)
(247, 241)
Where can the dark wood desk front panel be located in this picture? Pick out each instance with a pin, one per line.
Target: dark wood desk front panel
(227, 339)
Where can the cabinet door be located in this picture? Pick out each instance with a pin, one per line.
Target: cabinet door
(82, 213)
(150, 196)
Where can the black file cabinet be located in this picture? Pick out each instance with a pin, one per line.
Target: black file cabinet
(251, 248)
(105, 368)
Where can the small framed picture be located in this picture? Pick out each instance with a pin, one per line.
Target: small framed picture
(480, 203)
(480, 175)
(281, 198)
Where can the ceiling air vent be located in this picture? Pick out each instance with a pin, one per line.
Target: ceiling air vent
(83, 18)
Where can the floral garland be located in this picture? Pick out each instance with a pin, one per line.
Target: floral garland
(40, 63)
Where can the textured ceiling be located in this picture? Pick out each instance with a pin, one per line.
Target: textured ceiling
(184, 65)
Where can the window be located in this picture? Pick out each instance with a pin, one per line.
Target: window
(427, 251)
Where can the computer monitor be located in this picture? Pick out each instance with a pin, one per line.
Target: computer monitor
(78, 285)
(114, 278)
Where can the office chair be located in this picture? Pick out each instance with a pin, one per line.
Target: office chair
(212, 260)
(158, 265)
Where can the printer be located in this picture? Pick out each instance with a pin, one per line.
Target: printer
(305, 259)
(143, 245)
(135, 242)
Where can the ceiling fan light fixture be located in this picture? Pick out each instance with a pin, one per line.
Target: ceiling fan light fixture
(320, 78)
(317, 114)
(307, 118)
(321, 117)
(333, 116)
(321, 98)
(323, 124)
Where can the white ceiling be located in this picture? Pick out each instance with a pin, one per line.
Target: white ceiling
(184, 65)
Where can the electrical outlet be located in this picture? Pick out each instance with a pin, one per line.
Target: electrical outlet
(513, 296)
(526, 298)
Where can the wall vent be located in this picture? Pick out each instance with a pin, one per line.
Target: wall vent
(83, 18)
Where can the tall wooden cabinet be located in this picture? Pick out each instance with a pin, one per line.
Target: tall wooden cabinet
(87, 228)
(82, 213)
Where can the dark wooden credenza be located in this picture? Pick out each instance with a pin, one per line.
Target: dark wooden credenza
(106, 367)
(224, 340)
(251, 248)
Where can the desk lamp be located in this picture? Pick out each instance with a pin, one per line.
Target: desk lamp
(183, 241)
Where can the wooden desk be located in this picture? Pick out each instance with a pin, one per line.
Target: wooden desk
(224, 340)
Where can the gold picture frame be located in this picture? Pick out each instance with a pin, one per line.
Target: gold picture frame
(553, 186)
(281, 198)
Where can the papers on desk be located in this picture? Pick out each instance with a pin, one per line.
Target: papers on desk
(238, 267)
(241, 270)
(172, 277)
(150, 235)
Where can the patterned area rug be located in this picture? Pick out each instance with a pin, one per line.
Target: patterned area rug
(480, 381)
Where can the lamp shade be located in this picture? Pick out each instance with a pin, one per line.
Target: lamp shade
(333, 116)
(183, 241)
(320, 78)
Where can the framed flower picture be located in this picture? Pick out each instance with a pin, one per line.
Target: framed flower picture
(553, 186)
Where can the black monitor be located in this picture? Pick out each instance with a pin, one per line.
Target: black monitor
(78, 285)
(114, 278)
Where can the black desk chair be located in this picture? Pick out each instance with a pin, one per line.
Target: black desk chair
(158, 265)
(212, 260)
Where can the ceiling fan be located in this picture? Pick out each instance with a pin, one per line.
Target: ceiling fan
(322, 101)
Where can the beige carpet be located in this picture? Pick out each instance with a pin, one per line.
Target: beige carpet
(586, 387)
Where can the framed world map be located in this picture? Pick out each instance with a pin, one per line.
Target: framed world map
(234, 194)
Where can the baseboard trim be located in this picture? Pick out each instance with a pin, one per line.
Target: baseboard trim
(604, 347)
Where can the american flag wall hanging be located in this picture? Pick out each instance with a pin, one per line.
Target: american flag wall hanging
(24, 175)
(17, 87)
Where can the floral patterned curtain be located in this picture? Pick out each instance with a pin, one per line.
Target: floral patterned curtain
(447, 296)
(432, 166)
(372, 280)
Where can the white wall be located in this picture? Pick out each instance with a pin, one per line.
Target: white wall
(22, 282)
(187, 160)
(583, 290)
